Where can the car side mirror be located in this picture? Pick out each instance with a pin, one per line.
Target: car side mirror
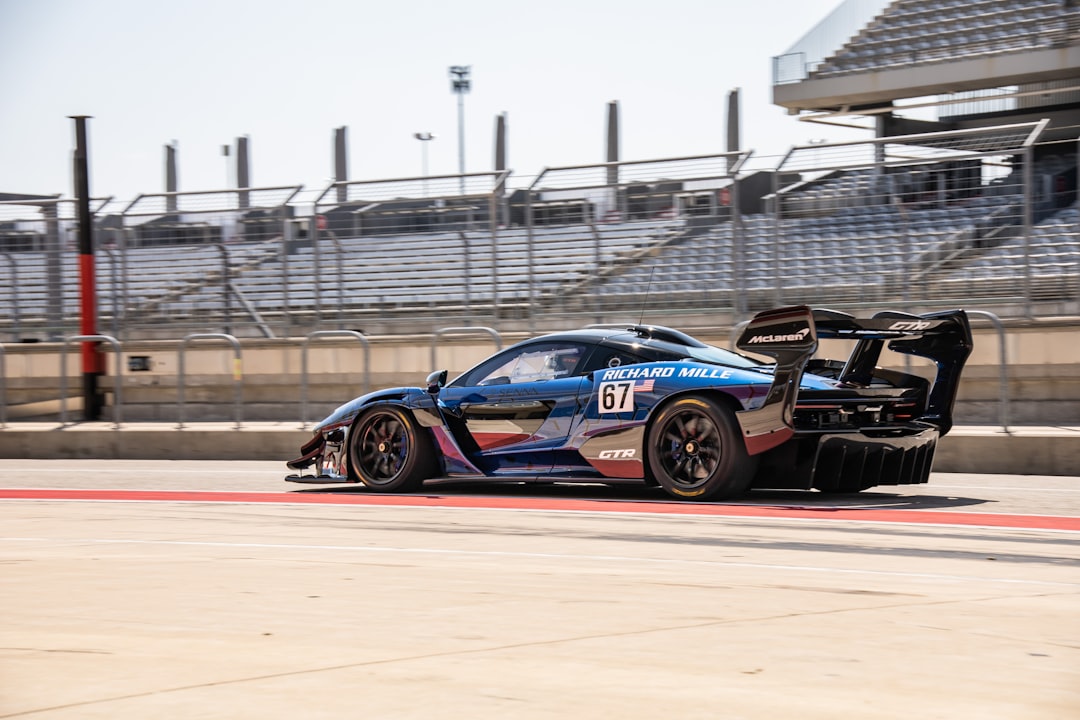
(435, 381)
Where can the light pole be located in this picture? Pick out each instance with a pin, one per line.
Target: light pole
(424, 138)
(460, 84)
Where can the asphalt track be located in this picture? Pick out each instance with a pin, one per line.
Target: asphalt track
(148, 589)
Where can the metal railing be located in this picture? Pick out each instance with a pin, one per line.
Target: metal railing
(117, 377)
(237, 372)
(3, 387)
(404, 247)
(646, 208)
(304, 365)
(168, 242)
(12, 285)
(972, 218)
(1003, 367)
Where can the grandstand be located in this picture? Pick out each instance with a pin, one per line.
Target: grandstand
(963, 191)
(915, 34)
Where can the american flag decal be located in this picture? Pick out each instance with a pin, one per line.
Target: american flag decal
(644, 385)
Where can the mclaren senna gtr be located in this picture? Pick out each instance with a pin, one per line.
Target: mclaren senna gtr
(649, 404)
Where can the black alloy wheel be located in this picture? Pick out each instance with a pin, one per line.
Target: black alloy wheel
(696, 451)
(388, 452)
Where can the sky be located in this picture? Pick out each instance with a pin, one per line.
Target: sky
(285, 74)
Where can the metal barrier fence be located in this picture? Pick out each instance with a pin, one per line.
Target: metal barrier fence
(238, 375)
(639, 234)
(118, 383)
(39, 244)
(904, 219)
(182, 253)
(980, 218)
(304, 365)
(426, 248)
(3, 387)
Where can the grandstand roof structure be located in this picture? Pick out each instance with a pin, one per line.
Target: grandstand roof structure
(976, 61)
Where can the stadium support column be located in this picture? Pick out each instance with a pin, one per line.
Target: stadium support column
(243, 174)
(341, 164)
(881, 129)
(502, 211)
(500, 142)
(170, 177)
(460, 84)
(92, 365)
(732, 125)
(738, 237)
(1028, 220)
(613, 141)
(613, 152)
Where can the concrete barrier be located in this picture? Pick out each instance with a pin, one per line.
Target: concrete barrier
(967, 449)
(1021, 451)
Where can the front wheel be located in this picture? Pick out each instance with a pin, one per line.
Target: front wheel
(696, 451)
(388, 452)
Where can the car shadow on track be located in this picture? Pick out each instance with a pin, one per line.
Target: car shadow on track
(869, 499)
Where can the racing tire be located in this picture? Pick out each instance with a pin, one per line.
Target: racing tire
(696, 452)
(388, 452)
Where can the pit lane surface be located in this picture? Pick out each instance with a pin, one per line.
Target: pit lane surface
(527, 608)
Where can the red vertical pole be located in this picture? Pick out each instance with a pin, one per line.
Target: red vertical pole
(92, 361)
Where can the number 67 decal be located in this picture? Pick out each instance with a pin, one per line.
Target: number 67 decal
(616, 397)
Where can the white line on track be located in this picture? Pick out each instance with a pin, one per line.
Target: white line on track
(536, 556)
(274, 476)
(1000, 487)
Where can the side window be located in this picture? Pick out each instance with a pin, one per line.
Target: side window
(605, 358)
(532, 363)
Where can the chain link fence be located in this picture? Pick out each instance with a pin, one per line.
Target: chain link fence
(979, 218)
(39, 268)
(409, 252)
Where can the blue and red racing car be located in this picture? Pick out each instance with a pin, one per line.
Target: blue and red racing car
(653, 405)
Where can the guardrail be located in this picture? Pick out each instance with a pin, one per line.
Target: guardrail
(12, 284)
(238, 376)
(1003, 367)
(304, 365)
(3, 389)
(117, 378)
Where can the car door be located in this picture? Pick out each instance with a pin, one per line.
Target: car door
(514, 412)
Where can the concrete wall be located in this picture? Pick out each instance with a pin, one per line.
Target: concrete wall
(1043, 374)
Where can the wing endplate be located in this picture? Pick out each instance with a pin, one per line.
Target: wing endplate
(789, 336)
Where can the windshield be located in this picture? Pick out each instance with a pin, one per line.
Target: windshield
(720, 356)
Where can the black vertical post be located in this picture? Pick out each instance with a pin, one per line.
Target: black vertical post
(171, 204)
(501, 214)
(341, 164)
(500, 142)
(620, 207)
(732, 126)
(243, 172)
(613, 142)
(92, 361)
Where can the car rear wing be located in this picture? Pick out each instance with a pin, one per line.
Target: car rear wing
(790, 335)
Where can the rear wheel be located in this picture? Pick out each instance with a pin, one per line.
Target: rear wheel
(388, 452)
(696, 451)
